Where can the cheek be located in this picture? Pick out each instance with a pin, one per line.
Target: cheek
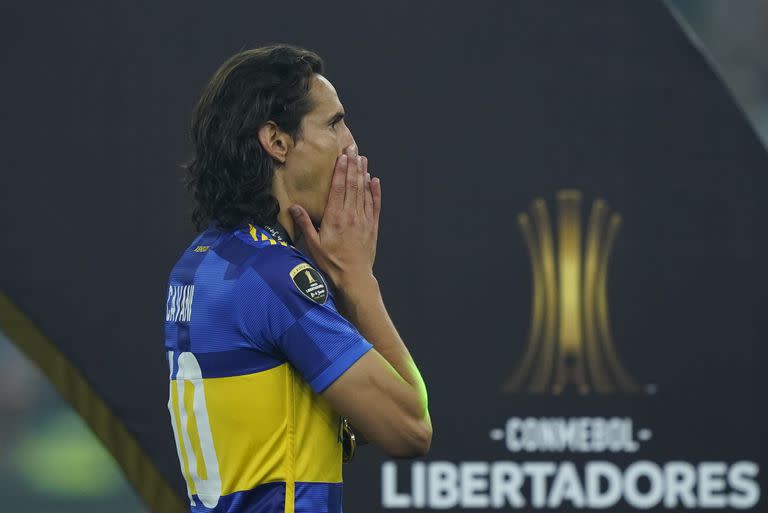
(316, 163)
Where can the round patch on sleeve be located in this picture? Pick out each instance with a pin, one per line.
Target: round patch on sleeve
(310, 283)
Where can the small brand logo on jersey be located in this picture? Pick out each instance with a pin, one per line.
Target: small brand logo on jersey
(202, 249)
(570, 341)
(310, 283)
(179, 305)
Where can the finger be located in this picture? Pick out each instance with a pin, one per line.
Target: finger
(368, 203)
(376, 195)
(338, 184)
(350, 196)
(360, 200)
(304, 223)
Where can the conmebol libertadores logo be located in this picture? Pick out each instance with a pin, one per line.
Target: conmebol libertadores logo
(604, 457)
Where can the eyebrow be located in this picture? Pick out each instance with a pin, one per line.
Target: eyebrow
(336, 117)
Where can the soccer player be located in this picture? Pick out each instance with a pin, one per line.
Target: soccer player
(271, 352)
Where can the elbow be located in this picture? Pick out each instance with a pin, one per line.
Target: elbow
(425, 439)
(421, 448)
(414, 442)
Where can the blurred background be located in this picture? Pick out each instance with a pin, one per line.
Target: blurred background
(50, 461)
(38, 428)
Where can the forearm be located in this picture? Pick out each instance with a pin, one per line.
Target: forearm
(361, 303)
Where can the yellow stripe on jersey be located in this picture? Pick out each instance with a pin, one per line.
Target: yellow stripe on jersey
(266, 426)
(248, 417)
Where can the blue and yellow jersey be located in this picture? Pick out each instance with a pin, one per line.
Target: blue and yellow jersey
(252, 336)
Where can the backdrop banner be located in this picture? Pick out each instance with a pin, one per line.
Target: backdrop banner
(573, 239)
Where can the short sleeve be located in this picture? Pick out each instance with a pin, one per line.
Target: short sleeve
(287, 308)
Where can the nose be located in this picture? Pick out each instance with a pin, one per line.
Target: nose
(348, 140)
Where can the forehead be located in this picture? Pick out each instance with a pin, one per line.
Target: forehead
(324, 97)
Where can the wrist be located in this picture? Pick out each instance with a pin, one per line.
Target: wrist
(357, 286)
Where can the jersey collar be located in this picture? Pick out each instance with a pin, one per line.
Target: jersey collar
(278, 233)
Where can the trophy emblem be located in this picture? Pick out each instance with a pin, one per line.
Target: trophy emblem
(570, 341)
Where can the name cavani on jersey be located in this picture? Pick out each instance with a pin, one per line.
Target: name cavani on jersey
(179, 305)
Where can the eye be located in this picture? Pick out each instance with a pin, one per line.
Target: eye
(338, 118)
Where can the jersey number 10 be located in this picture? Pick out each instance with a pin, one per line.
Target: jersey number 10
(192, 431)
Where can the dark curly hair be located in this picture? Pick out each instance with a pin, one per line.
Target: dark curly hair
(230, 174)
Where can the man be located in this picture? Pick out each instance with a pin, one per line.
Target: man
(269, 351)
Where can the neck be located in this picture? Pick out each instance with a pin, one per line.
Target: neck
(286, 221)
(284, 200)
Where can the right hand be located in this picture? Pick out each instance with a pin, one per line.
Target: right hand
(345, 246)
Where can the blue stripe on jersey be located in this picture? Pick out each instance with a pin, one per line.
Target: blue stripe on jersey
(245, 300)
(270, 498)
(236, 362)
(318, 497)
(266, 498)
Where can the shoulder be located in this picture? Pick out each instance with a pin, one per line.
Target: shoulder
(258, 260)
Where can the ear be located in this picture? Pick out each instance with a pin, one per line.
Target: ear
(274, 141)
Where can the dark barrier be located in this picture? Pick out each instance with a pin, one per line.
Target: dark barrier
(573, 237)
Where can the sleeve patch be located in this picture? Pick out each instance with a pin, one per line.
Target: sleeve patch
(310, 283)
